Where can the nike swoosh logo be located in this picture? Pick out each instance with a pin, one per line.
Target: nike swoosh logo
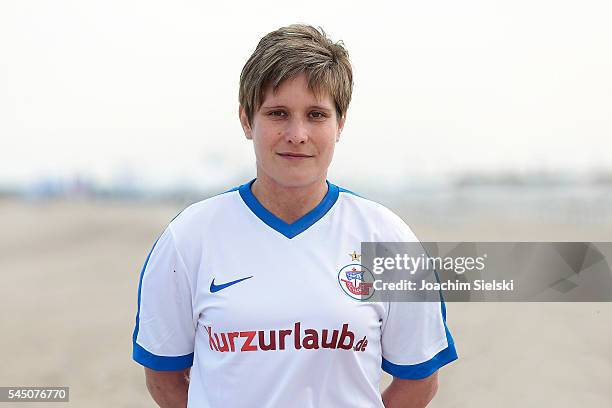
(215, 288)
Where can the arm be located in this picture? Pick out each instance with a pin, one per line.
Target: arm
(168, 388)
(164, 334)
(410, 393)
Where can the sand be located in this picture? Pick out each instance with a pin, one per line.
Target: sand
(69, 281)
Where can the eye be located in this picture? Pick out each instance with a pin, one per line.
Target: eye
(277, 114)
(317, 115)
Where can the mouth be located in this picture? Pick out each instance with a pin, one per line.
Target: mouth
(294, 155)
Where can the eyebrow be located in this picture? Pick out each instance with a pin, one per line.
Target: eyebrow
(319, 107)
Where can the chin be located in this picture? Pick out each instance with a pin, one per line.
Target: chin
(293, 179)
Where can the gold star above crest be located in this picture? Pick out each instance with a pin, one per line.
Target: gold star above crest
(355, 256)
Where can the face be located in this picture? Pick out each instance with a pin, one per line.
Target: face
(294, 134)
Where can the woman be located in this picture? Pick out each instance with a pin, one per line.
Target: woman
(242, 301)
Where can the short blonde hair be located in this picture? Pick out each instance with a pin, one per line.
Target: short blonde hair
(290, 51)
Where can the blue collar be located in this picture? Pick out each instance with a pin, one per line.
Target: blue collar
(298, 226)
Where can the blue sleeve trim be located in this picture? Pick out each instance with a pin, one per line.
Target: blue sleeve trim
(161, 363)
(427, 368)
(422, 370)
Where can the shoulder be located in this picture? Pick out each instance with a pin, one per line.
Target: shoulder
(192, 223)
(391, 226)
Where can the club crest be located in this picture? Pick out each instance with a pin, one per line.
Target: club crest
(356, 280)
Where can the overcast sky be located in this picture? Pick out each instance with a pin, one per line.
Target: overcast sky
(148, 89)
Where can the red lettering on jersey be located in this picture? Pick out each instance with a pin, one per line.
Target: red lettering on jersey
(311, 340)
(247, 346)
(281, 338)
(272, 345)
(296, 336)
(211, 342)
(225, 347)
(232, 336)
(361, 344)
(325, 343)
(346, 334)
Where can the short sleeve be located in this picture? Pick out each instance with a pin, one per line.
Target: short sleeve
(415, 339)
(164, 333)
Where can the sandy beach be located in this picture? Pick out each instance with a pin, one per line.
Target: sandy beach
(69, 280)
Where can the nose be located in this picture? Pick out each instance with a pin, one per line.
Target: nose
(297, 132)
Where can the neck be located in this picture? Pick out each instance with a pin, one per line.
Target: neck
(288, 203)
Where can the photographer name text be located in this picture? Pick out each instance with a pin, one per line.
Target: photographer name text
(477, 285)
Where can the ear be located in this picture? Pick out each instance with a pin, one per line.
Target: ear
(341, 122)
(244, 121)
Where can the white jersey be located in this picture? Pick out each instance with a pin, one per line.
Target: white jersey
(258, 309)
